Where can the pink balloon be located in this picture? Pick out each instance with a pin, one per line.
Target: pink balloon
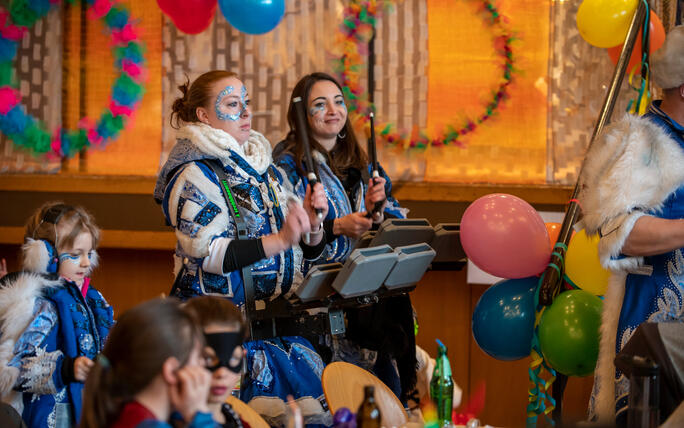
(504, 236)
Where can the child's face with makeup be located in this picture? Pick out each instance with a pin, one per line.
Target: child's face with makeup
(74, 261)
(223, 380)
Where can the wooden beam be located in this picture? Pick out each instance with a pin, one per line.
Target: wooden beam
(453, 192)
(139, 239)
(403, 191)
(74, 183)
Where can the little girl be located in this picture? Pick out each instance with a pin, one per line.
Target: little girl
(224, 332)
(150, 367)
(54, 322)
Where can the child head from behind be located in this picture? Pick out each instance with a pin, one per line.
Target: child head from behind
(61, 238)
(154, 349)
(224, 332)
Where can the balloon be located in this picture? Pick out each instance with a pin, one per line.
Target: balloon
(504, 236)
(656, 38)
(604, 23)
(553, 229)
(503, 319)
(253, 16)
(569, 333)
(582, 264)
(190, 16)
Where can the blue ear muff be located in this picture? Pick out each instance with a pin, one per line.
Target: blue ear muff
(53, 260)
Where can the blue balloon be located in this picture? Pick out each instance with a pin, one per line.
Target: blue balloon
(503, 319)
(253, 16)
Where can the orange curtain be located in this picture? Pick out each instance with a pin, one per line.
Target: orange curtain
(463, 71)
(138, 148)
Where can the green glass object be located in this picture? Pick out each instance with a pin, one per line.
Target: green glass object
(442, 386)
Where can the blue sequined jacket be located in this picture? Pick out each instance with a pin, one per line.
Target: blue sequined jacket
(339, 202)
(193, 204)
(65, 325)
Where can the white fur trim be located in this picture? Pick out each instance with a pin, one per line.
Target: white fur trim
(35, 256)
(256, 150)
(605, 367)
(17, 301)
(614, 233)
(667, 63)
(631, 169)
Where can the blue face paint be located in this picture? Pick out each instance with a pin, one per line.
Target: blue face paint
(319, 107)
(234, 109)
(73, 258)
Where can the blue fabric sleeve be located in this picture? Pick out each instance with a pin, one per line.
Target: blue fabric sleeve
(36, 353)
(392, 208)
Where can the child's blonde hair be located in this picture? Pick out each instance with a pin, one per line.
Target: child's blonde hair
(44, 224)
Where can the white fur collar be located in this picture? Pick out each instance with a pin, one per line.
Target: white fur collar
(216, 142)
(634, 165)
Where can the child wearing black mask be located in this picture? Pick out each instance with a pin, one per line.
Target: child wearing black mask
(224, 332)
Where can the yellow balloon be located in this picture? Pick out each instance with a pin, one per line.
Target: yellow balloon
(582, 264)
(604, 23)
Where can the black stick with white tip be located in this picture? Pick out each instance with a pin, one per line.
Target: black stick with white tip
(304, 139)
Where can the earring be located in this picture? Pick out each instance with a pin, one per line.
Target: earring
(342, 136)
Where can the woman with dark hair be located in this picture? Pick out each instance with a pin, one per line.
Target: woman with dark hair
(385, 328)
(219, 177)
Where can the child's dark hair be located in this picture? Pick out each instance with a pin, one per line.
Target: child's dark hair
(210, 310)
(184, 109)
(137, 347)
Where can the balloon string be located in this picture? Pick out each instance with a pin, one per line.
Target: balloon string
(643, 98)
(538, 394)
(561, 245)
(570, 283)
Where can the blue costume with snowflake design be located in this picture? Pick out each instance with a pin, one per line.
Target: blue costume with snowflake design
(379, 338)
(194, 205)
(339, 204)
(657, 297)
(643, 155)
(66, 325)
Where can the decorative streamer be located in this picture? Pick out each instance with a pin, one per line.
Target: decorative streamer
(539, 393)
(354, 34)
(639, 105)
(26, 131)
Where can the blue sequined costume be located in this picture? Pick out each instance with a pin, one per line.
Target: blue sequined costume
(65, 325)
(644, 155)
(194, 205)
(379, 338)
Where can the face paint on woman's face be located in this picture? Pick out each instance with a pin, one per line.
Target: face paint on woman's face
(327, 110)
(230, 108)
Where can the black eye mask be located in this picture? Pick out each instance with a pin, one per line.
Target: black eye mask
(224, 345)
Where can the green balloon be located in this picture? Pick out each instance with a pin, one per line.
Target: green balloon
(569, 333)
